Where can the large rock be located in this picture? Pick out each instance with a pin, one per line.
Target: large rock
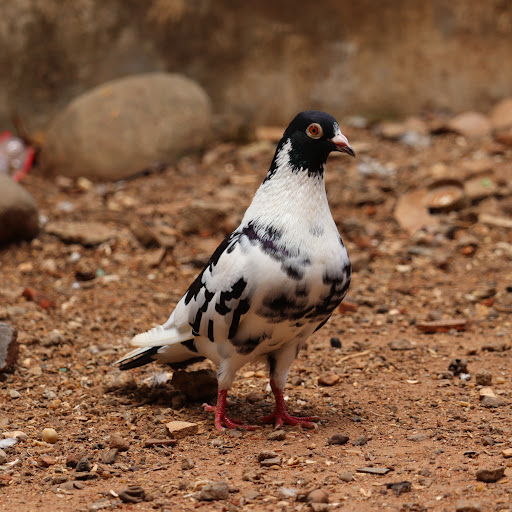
(126, 125)
(19, 217)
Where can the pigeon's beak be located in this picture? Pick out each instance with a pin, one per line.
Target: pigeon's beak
(341, 143)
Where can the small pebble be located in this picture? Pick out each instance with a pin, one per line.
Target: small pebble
(83, 465)
(400, 487)
(72, 460)
(109, 456)
(50, 435)
(492, 401)
(266, 454)
(360, 441)
(328, 379)
(338, 439)
(468, 506)
(277, 435)
(214, 491)
(346, 477)
(335, 342)
(483, 378)
(401, 344)
(100, 505)
(116, 441)
(318, 496)
(187, 463)
(458, 366)
(3, 457)
(133, 494)
(490, 475)
(267, 463)
(507, 453)
(16, 434)
(417, 437)
(13, 394)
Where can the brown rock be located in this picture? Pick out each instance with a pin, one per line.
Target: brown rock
(116, 441)
(338, 439)
(8, 347)
(328, 379)
(483, 378)
(318, 496)
(179, 429)
(490, 475)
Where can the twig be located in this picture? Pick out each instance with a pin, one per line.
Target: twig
(352, 356)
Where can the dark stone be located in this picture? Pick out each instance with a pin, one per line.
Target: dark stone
(8, 347)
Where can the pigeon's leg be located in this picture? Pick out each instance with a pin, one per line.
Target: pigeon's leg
(225, 377)
(279, 366)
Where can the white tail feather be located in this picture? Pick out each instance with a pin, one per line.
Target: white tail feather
(159, 336)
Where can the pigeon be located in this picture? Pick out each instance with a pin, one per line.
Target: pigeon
(271, 283)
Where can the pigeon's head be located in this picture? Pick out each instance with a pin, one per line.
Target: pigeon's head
(315, 134)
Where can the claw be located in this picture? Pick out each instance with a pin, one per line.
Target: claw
(221, 419)
(281, 417)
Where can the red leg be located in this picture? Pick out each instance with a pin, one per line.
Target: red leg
(220, 413)
(281, 416)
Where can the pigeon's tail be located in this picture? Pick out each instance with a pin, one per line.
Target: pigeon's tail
(138, 357)
(165, 344)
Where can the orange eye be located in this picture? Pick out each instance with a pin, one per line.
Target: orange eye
(314, 130)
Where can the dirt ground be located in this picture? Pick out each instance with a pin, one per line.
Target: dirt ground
(387, 388)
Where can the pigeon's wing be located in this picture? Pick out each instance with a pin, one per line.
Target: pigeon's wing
(219, 297)
(214, 303)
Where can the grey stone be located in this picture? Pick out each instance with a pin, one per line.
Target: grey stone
(492, 401)
(19, 216)
(127, 125)
(214, 491)
(8, 347)
(401, 344)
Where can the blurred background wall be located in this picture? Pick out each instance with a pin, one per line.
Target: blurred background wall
(261, 62)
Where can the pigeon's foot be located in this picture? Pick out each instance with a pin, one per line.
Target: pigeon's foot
(281, 417)
(221, 419)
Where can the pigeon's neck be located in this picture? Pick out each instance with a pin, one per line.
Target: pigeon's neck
(290, 197)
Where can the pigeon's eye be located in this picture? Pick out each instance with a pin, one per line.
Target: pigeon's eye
(314, 130)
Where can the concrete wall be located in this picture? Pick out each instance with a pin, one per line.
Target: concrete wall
(261, 62)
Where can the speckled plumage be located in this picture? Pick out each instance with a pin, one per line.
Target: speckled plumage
(272, 282)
